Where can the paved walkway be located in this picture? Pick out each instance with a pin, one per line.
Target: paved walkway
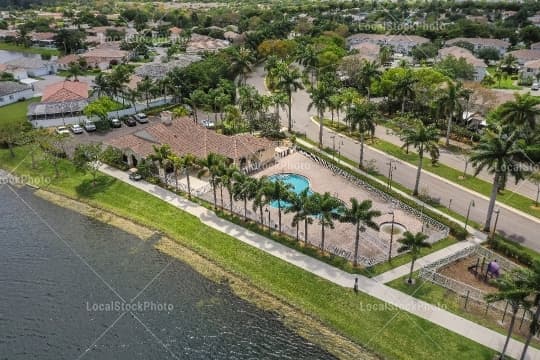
(466, 328)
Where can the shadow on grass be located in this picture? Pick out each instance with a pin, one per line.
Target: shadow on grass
(87, 188)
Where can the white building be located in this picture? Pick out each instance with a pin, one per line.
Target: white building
(400, 43)
(482, 43)
(11, 91)
(461, 53)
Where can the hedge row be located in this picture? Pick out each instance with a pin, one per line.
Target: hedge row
(455, 229)
(513, 251)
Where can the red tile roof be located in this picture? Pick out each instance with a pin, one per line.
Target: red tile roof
(186, 137)
(65, 91)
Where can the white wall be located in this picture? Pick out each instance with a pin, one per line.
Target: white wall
(11, 98)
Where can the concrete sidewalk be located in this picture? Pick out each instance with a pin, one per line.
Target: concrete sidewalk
(466, 328)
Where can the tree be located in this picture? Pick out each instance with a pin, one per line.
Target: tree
(488, 53)
(145, 87)
(362, 116)
(424, 51)
(535, 179)
(405, 88)
(244, 188)
(288, 81)
(385, 55)
(211, 166)
(278, 191)
(512, 290)
(53, 150)
(88, 158)
(100, 108)
(70, 40)
(450, 104)
(74, 71)
(188, 163)
(260, 198)
(300, 205)
(499, 151)
(197, 99)
(522, 111)
(307, 57)
(532, 283)
(242, 61)
(328, 208)
(163, 155)
(226, 179)
(455, 68)
(414, 244)
(9, 135)
(319, 100)
(423, 138)
(369, 71)
(360, 214)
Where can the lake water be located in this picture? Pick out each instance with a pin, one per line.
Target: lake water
(6, 56)
(60, 271)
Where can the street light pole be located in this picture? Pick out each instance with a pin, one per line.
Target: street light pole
(422, 217)
(391, 237)
(268, 212)
(391, 168)
(495, 224)
(333, 137)
(471, 204)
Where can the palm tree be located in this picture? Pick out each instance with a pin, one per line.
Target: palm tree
(242, 60)
(498, 151)
(360, 214)
(499, 76)
(162, 155)
(449, 102)
(369, 71)
(307, 57)
(328, 208)
(279, 101)
(512, 289)
(226, 179)
(101, 84)
(278, 191)
(350, 97)
(197, 99)
(385, 55)
(74, 71)
(244, 188)
(145, 87)
(211, 166)
(522, 111)
(319, 100)
(300, 206)
(404, 89)
(260, 198)
(362, 116)
(188, 162)
(335, 102)
(413, 243)
(423, 138)
(132, 95)
(288, 81)
(532, 282)
(176, 163)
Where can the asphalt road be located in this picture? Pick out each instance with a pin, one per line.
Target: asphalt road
(520, 228)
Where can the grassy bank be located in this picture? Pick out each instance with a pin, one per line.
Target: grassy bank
(15, 114)
(29, 50)
(391, 333)
(480, 186)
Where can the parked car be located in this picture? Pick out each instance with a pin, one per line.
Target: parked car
(535, 86)
(134, 174)
(129, 121)
(76, 129)
(141, 118)
(115, 123)
(89, 126)
(62, 130)
(209, 124)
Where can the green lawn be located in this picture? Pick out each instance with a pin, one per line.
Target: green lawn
(31, 50)
(13, 114)
(450, 301)
(390, 333)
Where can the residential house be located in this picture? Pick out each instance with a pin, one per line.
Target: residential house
(43, 39)
(202, 43)
(59, 100)
(184, 136)
(458, 52)
(158, 70)
(400, 43)
(102, 57)
(367, 51)
(531, 69)
(525, 55)
(11, 91)
(535, 46)
(482, 43)
(25, 67)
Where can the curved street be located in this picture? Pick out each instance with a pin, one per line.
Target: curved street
(514, 225)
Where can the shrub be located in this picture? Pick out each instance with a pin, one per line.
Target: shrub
(513, 251)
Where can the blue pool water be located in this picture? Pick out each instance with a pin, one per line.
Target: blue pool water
(298, 182)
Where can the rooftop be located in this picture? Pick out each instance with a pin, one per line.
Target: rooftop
(65, 91)
(11, 87)
(459, 52)
(480, 41)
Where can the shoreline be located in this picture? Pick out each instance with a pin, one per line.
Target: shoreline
(292, 317)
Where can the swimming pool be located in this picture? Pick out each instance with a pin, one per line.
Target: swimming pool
(298, 182)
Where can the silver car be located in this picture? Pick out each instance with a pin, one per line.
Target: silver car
(76, 129)
(89, 126)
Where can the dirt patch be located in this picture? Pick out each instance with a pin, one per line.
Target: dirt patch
(459, 270)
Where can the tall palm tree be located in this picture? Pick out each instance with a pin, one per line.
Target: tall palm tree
(244, 188)
(226, 180)
(162, 155)
(350, 96)
(362, 116)
(188, 163)
(242, 61)
(319, 100)
(511, 289)
(385, 55)
(279, 101)
(522, 111)
(278, 191)
(211, 166)
(450, 104)
(499, 151)
(335, 102)
(360, 214)
(423, 138)
(413, 243)
(307, 57)
(176, 163)
(369, 71)
(532, 282)
(145, 87)
(288, 80)
(404, 89)
(260, 198)
(328, 209)
(301, 207)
